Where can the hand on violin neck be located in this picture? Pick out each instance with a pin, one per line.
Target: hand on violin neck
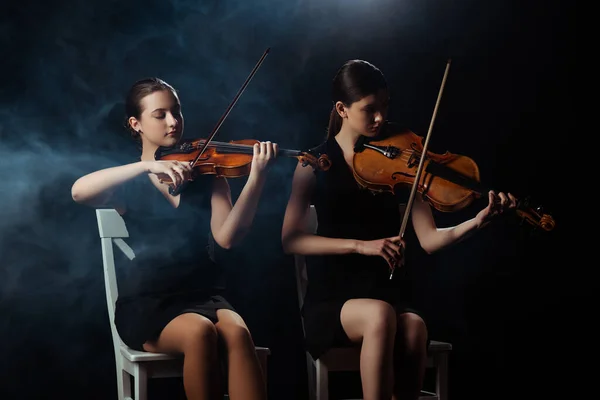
(264, 154)
(498, 203)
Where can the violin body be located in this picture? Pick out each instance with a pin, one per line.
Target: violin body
(391, 164)
(213, 160)
(449, 182)
(231, 159)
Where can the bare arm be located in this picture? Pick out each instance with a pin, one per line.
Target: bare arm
(231, 223)
(433, 239)
(97, 188)
(295, 239)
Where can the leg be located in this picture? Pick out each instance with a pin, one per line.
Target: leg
(410, 356)
(245, 376)
(372, 323)
(196, 337)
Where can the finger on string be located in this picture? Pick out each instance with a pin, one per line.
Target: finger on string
(503, 199)
(513, 200)
(492, 198)
(263, 148)
(269, 149)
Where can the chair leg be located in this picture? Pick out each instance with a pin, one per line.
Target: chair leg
(263, 358)
(123, 383)
(322, 381)
(311, 372)
(442, 377)
(140, 383)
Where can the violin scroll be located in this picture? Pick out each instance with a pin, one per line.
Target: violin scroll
(321, 163)
(534, 215)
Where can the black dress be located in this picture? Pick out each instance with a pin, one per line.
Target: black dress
(174, 271)
(345, 210)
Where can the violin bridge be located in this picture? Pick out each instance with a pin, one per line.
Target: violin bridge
(412, 160)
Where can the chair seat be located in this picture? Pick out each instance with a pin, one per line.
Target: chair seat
(436, 346)
(143, 356)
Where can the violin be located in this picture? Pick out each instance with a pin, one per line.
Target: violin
(449, 182)
(231, 159)
(226, 159)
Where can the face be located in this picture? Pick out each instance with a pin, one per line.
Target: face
(161, 121)
(366, 116)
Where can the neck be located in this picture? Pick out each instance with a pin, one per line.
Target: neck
(148, 151)
(346, 138)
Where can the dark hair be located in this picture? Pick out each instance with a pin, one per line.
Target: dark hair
(139, 90)
(353, 81)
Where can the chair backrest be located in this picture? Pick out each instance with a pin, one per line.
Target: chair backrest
(300, 261)
(112, 229)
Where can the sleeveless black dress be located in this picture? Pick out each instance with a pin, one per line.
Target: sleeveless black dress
(174, 271)
(344, 210)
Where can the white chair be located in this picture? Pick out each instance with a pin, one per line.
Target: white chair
(348, 359)
(131, 363)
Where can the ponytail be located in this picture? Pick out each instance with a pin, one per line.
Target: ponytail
(355, 80)
(335, 123)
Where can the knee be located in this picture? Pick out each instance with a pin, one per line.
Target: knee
(235, 335)
(199, 334)
(382, 321)
(412, 333)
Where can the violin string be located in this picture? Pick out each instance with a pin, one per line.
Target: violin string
(224, 145)
(234, 146)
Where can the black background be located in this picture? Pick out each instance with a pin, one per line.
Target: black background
(504, 298)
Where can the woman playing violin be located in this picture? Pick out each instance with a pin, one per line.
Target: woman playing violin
(171, 295)
(349, 299)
